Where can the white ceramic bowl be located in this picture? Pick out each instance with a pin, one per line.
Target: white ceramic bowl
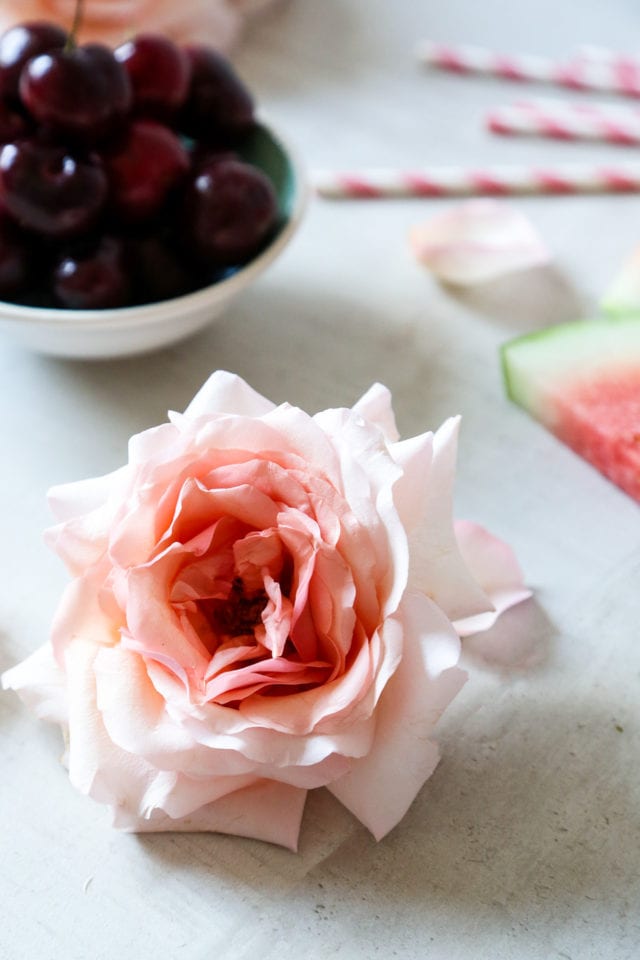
(130, 330)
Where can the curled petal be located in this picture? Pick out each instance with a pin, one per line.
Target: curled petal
(226, 393)
(265, 810)
(375, 407)
(411, 489)
(437, 567)
(494, 565)
(368, 474)
(477, 241)
(70, 500)
(41, 685)
(381, 786)
(80, 614)
(127, 782)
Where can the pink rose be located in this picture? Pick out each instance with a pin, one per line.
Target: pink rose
(217, 22)
(261, 605)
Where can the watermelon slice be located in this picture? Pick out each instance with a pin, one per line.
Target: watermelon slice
(582, 381)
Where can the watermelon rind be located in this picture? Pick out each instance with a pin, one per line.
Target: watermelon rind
(580, 350)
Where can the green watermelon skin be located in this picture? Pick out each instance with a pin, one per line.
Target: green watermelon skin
(582, 381)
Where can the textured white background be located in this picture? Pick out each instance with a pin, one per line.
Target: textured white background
(525, 842)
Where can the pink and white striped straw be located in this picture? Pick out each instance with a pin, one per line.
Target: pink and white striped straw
(458, 181)
(583, 73)
(562, 121)
(589, 53)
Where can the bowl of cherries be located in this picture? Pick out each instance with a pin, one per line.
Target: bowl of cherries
(139, 192)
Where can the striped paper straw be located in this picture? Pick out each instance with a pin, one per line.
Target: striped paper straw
(458, 181)
(577, 74)
(589, 53)
(564, 122)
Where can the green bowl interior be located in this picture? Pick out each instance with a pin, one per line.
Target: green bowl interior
(263, 150)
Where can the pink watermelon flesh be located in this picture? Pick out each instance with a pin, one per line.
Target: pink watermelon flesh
(582, 381)
(601, 422)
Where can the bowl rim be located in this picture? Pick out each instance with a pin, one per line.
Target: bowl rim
(142, 314)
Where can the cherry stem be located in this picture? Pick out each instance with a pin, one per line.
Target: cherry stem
(75, 27)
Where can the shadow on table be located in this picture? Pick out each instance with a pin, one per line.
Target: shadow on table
(510, 828)
(525, 301)
(520, 640)
(542, 813)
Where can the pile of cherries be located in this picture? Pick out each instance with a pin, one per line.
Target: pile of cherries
(120, 180)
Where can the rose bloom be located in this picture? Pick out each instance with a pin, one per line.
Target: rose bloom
(217, 22)
(261, 604)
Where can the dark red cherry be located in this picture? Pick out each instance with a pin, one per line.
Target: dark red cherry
(49, 191)
(157, 271)
(13, 125)
(143, 167)
(14, 259)
(230, 209)
(159, 72)
(20, 44)
(94, 278)
(219, 108)
(202, 154)
(81, 93)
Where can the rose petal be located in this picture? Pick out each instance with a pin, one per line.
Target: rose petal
(437, 567)
(226, 393)
(381, 786)
(86, 512)
(80, 614)
(477, 241)
(97, 766)
(40, 684)
(410, 491)
(368, 477)
(375, 407)
(494, 565)
(126, 781)
(140, 721)
(264, 811)
(70, 500)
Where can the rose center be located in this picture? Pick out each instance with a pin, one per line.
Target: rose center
(240, 613)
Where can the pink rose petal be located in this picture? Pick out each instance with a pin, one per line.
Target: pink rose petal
(375, 407)
(224, 393)
(40, 684)
(437, 567)
(263, 811)
(410, 492)
(477, 241)
(494, 565)
(381, 786)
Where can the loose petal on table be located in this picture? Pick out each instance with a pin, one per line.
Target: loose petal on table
(477, 241)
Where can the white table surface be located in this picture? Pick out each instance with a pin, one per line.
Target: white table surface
(525, 843)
